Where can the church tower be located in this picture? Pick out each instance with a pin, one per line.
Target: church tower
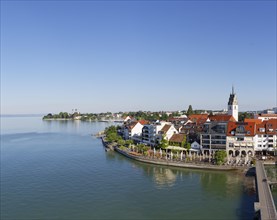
(233, 105)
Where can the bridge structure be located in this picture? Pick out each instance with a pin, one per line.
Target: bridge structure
(266, 204)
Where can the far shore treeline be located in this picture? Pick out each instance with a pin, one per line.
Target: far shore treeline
(146, 115)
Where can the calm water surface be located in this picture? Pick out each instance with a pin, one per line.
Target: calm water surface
(57, 170)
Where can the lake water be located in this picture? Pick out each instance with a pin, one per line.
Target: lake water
(57, 170)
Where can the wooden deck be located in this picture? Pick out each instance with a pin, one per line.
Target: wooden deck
(266, 203)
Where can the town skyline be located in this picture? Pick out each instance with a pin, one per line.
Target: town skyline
(131, 56)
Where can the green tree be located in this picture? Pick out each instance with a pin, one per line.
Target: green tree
(244, 115)
(140, 148)
(129, 142)
(121, 142)
(184, 141)
(189, 111)
(164, 117)
(188, 146)
(112, 137)
(220, 156)
(111, 134)
(163, 143)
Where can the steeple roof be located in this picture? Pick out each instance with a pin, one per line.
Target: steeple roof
(233, 98)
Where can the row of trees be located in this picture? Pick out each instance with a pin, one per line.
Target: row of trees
(62, 115)
(151, 116)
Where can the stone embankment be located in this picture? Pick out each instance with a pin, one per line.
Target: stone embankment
(108, 146)
(168, 162)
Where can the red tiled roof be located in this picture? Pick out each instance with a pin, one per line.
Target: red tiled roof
(249, 128)
(269, 127)
(257, 121)
(199, 118)
(143, 122)
(222, 118)
(267, 115)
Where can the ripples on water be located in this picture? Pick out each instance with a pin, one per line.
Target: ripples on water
(57, 170)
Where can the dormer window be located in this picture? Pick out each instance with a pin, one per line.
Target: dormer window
(262, 129)
(241, 129)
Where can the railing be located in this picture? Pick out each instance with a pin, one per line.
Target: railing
(266, 203)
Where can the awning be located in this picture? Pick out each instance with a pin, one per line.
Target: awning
(175, 148)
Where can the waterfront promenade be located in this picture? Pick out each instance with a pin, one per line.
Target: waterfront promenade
(173, 163)
(266, 203)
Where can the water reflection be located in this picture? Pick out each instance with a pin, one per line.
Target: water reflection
(213, 183)
(164, 177)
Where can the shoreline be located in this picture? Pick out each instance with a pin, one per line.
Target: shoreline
(180, 164)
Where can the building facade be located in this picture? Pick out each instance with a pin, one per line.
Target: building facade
(266, 137)
(240, 142)
(213, 136)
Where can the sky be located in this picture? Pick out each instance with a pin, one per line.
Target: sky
(100, 56)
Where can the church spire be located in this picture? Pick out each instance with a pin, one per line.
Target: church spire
(233, 104)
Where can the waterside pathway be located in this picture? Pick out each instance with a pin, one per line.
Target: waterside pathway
(176, 163)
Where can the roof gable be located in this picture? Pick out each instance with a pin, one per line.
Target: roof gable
(165, 128)
(177, 138)
(241, 128)
(222, 118)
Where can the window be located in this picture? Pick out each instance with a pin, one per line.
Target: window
(240, 129)
(262, 130)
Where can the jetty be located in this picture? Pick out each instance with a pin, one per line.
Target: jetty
(266, 205)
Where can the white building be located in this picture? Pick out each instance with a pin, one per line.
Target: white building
(196, 146)
(240, 142)
(266, 137)
(264, 117)
(128, 119)
(167, 131)
(151, 133)
(133, 130)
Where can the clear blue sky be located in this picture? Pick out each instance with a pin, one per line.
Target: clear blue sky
(136, 55)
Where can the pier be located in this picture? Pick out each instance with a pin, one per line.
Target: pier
(266, 204)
